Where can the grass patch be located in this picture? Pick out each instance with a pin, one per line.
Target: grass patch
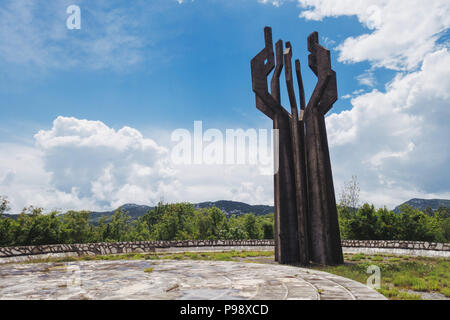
(214, 256)
(399, 274)
(376, 258)
(149, 270)
(407, 296)
(358, 257)
(446, 292)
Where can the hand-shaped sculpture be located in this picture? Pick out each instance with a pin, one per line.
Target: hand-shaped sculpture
(289, 248)
(306, 226)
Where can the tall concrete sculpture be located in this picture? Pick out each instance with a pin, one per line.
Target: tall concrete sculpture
(306, 226)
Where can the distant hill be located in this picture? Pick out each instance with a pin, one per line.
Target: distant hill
(422, 204)
(12, 216)
(227, 207)
(236, 208)
(134, 211)
(240, 208)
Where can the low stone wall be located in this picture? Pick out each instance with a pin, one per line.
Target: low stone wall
(396, 244)
(125, 247)
(196, 245)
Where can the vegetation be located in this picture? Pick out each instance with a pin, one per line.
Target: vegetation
(212, 256)
(402, 278)
(406, 223)
(181, 221)
(166, 222)
(367, 223)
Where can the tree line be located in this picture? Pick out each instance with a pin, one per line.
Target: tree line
(181, 221)
(368, 223)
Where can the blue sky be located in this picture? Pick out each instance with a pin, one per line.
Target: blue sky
(159, 65)
(193, 60)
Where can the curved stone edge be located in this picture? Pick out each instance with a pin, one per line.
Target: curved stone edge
(400, 252)
(397, 244)
(151, 246)
(358, 290)
(125, 247)
(322, 280)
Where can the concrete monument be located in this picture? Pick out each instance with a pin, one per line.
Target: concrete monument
(306, 225)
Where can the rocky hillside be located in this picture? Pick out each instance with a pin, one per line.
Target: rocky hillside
(134, 211)
(422, 204)
(236, 208)
(227, 207)
(239, 208)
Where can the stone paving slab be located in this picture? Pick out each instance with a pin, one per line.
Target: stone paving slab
(169, 279)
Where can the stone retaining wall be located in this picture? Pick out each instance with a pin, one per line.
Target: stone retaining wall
(125, 247)
(396, 244)
(152, 246)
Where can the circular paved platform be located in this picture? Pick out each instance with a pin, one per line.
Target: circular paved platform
(170, 279)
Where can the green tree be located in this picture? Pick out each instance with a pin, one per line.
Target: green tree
(140, 231)
(251, 226)
(119, 227)
(35, 228)
(4, 205)
(6, 224)
(387, 224)
(234, 229)
(363, 224)
(414, 225)
(176, 223)
(76, 228)
(349, 196)
(6, 231)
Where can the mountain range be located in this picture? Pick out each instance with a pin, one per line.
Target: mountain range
(422, 204)
(227, 207)
(239, 208)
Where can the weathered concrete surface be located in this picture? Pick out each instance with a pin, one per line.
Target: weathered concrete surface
(187, 279)
(401, 252)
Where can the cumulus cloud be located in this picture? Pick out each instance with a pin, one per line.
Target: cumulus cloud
(397, 141)
(35, 33)
(85, 164)
(367, 79)
(401, 33)
(394, 140)
(96, 161)
(25, 182)
(82, 164)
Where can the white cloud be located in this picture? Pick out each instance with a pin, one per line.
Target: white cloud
(276, 3)
(367, 79)
(34, 33)
(396, 141)
(402, 32)
(84, 164)
(109, 166)
(25, 182)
